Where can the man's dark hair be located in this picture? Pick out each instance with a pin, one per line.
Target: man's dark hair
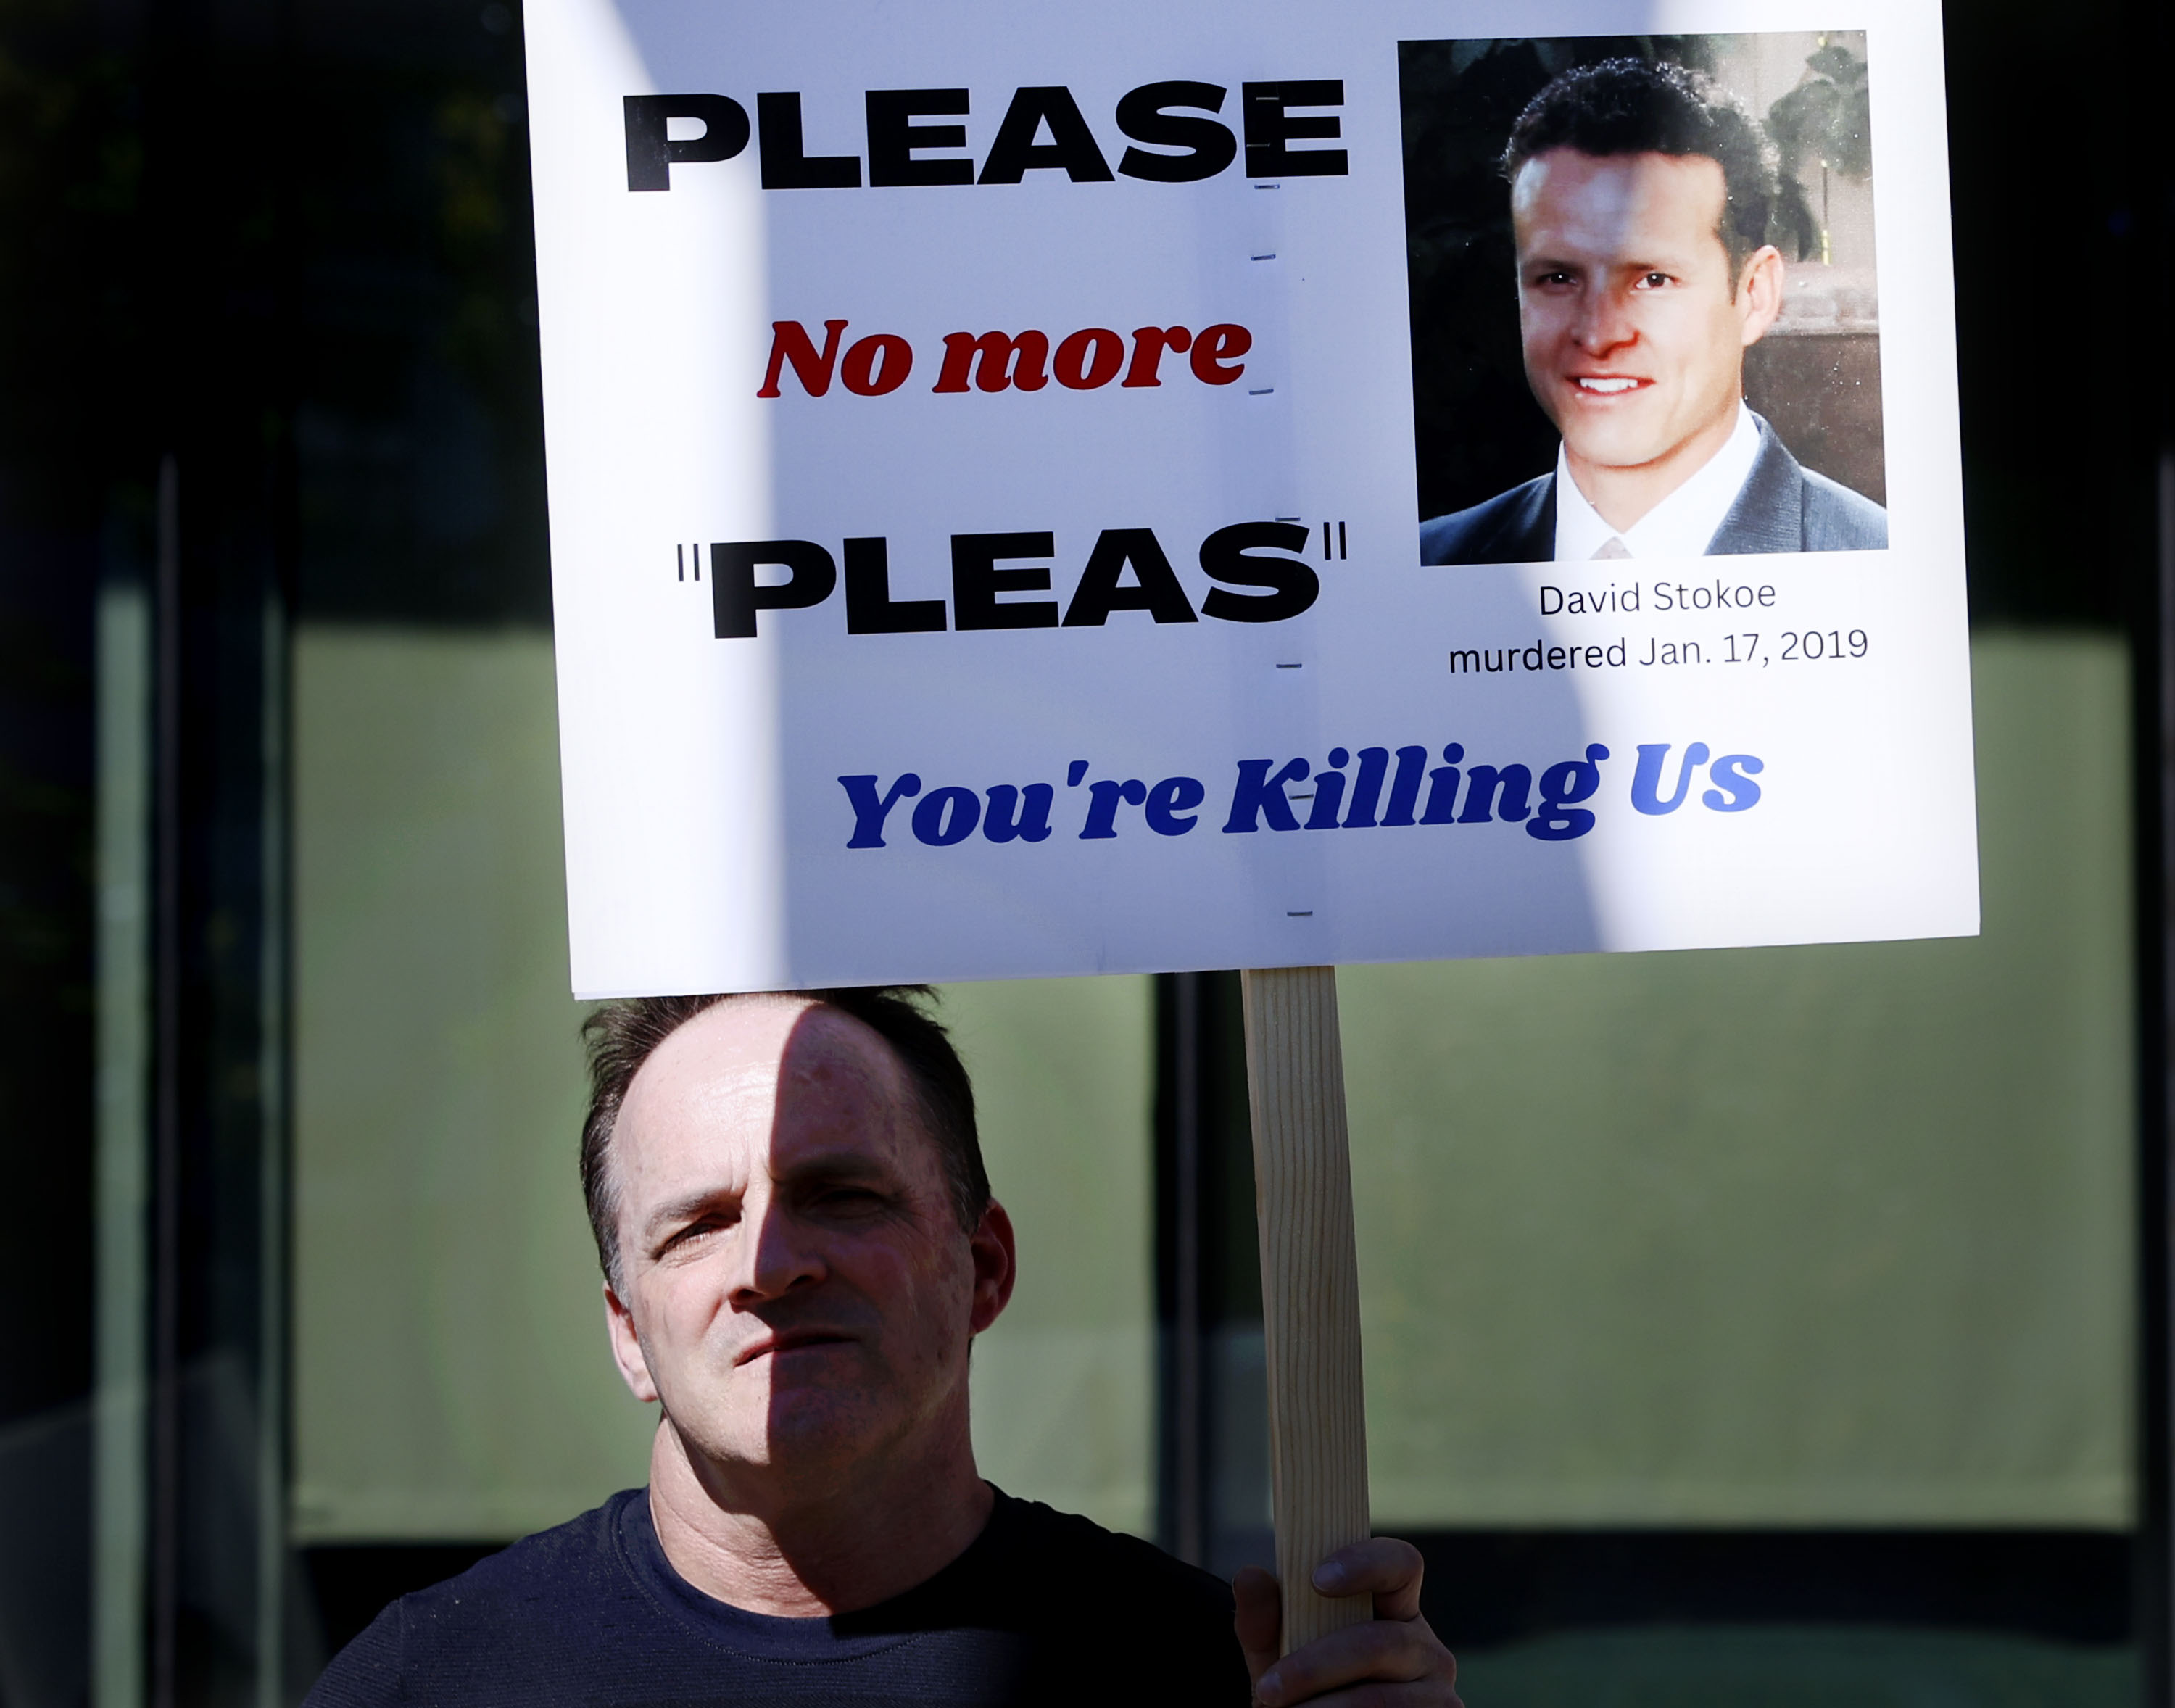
(622, 1035)
(1628, 106)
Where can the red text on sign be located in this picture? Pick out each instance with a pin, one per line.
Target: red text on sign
(996, 361)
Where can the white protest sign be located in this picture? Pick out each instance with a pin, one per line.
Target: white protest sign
(986, 498)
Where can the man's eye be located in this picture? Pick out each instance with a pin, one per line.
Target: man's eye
(1655, 281)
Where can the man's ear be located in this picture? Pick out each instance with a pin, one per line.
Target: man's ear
(1760, 287)
(626, 1349)
(996, 1267)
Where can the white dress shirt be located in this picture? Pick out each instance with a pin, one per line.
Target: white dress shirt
(1680, 526)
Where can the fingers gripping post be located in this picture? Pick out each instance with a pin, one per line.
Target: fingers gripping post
(1309, 1287)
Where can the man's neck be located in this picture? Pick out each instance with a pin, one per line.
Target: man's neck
(1623, 497)
(851, 1543)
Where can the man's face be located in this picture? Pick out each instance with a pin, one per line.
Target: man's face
(794, 1284)
(1634, 338)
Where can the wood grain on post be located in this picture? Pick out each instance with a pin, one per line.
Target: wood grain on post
(1309, 1288)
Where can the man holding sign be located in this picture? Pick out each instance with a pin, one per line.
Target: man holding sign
(797, 1235)
(800, 1245)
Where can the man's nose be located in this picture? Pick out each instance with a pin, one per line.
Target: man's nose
(1604, 323)
(777, 1256)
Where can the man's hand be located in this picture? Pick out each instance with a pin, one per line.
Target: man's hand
(1396, 1662)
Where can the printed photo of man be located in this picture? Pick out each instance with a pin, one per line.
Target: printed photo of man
(1640, 195)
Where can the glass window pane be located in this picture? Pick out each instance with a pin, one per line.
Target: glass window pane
(1825, 1235)
(1064, 1405)
(451, 1378)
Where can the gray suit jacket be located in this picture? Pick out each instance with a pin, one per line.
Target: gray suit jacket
(1784, 507)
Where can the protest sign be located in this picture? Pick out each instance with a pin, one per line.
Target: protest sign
(1210, 484)
(987, 453)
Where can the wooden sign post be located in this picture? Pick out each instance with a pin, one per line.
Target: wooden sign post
(1309, 1288)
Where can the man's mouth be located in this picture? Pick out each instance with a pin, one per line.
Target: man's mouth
(791, 1340)
(1607, 385)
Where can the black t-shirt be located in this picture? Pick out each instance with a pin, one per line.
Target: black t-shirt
(1043, 1608)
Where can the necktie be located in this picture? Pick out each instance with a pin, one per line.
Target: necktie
(1614, 548)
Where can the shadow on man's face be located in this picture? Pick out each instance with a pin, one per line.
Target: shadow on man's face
(1633, 329)
(799, 1284)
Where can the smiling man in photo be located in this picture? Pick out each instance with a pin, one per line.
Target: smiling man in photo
(1639, 200)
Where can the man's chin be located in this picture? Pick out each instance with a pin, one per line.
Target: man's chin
(812, 1426)
(1618, 445)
